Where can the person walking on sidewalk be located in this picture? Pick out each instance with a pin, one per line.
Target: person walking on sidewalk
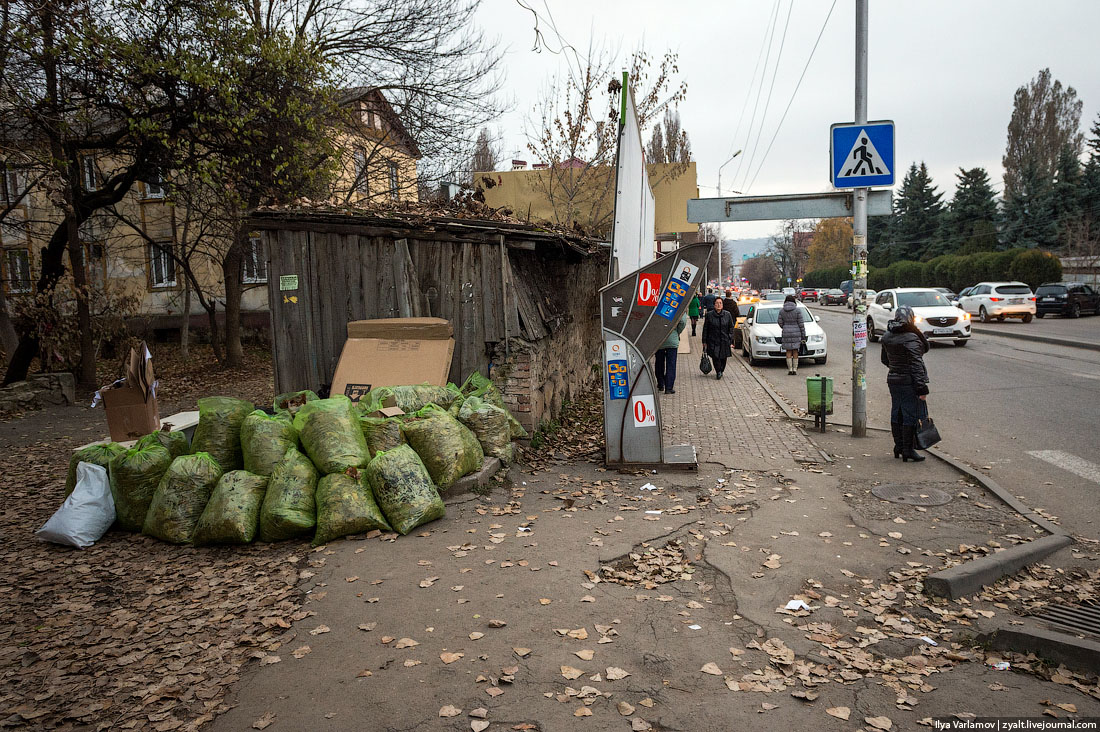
(903, 349)
(794, 332)
(718, 335)
(666, 359)
(708, 300)
(693, 311)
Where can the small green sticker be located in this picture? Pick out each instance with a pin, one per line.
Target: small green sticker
(288, 282)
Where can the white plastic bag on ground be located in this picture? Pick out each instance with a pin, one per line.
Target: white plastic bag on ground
(86, 514)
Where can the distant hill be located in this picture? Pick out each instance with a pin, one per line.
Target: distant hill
(736, 248)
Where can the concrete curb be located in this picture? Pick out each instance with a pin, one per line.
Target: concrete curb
(1087, 345)
(969, 577)
(470, 483)
(1078, 654)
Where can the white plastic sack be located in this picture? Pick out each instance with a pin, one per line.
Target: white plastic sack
(86, 514)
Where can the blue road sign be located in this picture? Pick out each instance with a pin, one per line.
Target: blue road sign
(862, 156)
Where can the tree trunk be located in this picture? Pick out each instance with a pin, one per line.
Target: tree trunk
(85, 376)
(9, 339)
(185, 321)
(215, 332)
(231, 271)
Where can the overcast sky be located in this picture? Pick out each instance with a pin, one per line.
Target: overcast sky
(944, 70)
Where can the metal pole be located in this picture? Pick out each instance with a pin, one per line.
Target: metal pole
(859, 244)
(719, 225)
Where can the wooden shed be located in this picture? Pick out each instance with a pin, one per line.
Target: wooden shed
(502, 285)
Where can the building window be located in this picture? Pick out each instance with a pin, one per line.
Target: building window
(162, 268)
(19, 270)
(255, 261)
(90, 173)
(393, 180)
(360, 171)
(14, 231)
(154, 186)
(11, 185)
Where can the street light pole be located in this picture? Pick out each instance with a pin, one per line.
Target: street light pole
(719, 225)
(859, 244)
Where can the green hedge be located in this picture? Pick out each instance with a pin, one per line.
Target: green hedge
(1032, 266)
(827, 278)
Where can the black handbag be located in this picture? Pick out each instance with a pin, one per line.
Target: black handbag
(704, 364)
(927, 434)
(802, 350)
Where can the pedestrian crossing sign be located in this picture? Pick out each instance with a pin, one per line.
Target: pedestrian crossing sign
(862, 155)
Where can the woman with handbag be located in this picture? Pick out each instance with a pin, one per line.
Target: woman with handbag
(718, 335)
(794, 332)
(903, 349)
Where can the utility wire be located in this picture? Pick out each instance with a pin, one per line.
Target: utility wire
(760, 89)
(771, 88)
(752, 83)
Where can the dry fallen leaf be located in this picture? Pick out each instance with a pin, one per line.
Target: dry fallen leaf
(582, 712)
(476, 635)
(578, 634)
(301, 651)
(839, 712)
(409, 663)
(712, 669)
(368, 626)
(364, 673)
(264, 722)
(570, 673)
(625, 709)
(497, 623)
(640, 725)
(545, 601)
(883, 723)
(448, 658)
(406, 643)
(479, 725)
(479, 713)
(614, 674)
(428, 582)
(450, 711)
(319, 630)
(494, 691)
(585, 654)
(522, 652)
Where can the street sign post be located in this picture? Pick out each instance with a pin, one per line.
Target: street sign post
(637, 312)
(861, 155)
(829, 204)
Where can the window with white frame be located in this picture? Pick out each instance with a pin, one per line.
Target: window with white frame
(393, 180)
(360, 171)
(154, 185)
(162, 268)
(18, 266)
(90, 172)
(255, 260)
(12, 183)
(14, 230)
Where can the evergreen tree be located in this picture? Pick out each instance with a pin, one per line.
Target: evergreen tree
(1045, 117)
(1028, 218)
(972, 215)
(918, 215)
(1067, 194)
(1090, 178)
(879, 237)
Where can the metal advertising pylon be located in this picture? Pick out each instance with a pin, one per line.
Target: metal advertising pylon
(637, 312)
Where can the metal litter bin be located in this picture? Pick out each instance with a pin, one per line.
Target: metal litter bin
(819, 398)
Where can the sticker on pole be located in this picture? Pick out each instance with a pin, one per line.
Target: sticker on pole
(862, 155)
(676, 290)
(644, 413)
(859, 334)
(649, 289)
(618, 381)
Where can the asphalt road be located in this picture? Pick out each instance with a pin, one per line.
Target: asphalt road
(1028, 411)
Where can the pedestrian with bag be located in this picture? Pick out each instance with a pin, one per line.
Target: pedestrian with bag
(693, 311)
(794, 332)
(666, 359)
(903, 349)
(718, 335)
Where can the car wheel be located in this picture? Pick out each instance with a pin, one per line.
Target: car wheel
(1000, 318)
(820, 361)
(736, 339)
(1039, 315)
(1027, 318)
(961, 342)
(983, 314)
(1076, 312)
(753, 360)
(871, 331)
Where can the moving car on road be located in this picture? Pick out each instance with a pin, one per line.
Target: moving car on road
(936, 317)
(951, 296)
(808, 293)
(834, 297)
(999, 300)
(1066, 298)
(761, 336)
(773, 296)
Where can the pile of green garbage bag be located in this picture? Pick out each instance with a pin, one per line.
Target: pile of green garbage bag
(330, 434)
(134, 475)
(411, 398)
(489, 423)
(219, 431)
(232, 515)
(288, 509)
(180, 498)
(265, 438)
(291, 402)
(403, 489)
(382, 433)
(345, 506)
(176, 443)
(449, 450)
(479, 386)
(99, 454)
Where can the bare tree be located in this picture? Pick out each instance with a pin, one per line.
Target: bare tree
(1045, 117)
(486, 155)
(669, 141)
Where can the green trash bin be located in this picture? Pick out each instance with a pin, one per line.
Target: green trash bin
(819, 391)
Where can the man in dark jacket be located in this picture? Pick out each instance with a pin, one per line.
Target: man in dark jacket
(903, 349)
(708, 300)
(718, 335)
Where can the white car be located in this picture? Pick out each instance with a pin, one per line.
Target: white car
(999, 300)
(870, 297)
(761, 335)
(936, 317)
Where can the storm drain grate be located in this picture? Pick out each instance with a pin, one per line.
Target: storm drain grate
(1082, 619)
(913, 495)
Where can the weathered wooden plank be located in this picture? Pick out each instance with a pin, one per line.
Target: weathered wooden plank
(511, 312)
(295, 367)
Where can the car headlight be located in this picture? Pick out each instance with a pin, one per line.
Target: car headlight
(763, 340)
(918, 319)
(965, 315)
(816, 338)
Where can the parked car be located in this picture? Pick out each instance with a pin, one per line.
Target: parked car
(946, 293)
(808, 293)
(999, 300)
(847, 286)
(936, 317)
(834, 297)
(962, 293)
(761, 336)
(773, 295)
(871, 295)
(1066, 298)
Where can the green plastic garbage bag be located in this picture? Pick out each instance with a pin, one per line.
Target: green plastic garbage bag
(411, 398)
(176, 443)
(219, 430)
(489, 423)
(232, 515)
(345, 505)
(265, 438)
(331, 435)
(449, 450)
(288, 509)
(479, 386)
(99, 454)
(134, 476)
(290, 402)
(403, 489)
(181, 497)
(382, 433)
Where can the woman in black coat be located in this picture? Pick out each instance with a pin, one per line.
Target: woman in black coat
(903, 349)
(718, 335)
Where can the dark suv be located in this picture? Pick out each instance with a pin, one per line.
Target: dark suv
(1066, 298)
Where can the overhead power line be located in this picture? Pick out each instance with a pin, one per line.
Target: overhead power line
(771, 88)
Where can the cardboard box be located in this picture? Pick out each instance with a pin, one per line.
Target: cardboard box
(393, 352)
(131, 403)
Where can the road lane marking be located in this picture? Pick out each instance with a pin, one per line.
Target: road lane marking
(1070, 463)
